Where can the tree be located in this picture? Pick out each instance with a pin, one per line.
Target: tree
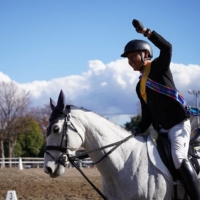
(134, 121)
(41, 115)
(13, 107)
(29, 142)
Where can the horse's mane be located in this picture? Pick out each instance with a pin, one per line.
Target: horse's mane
(86, 110)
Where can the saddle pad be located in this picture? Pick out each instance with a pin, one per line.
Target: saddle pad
(156, 160)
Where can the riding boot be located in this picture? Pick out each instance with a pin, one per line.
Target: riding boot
(189, 179)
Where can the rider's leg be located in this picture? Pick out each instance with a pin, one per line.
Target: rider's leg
(190, 181)
(179, 136)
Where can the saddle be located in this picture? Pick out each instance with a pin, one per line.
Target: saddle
(164, 149)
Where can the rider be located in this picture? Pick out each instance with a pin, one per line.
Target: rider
(161, 110)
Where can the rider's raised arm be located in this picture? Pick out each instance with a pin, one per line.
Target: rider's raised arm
(164, 59)
(165, 47)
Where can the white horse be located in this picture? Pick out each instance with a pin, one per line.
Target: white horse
(127, 173)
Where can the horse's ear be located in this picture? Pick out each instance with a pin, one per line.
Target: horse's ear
(52, 104)
(61, 101)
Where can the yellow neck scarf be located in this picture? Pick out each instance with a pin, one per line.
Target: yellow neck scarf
(143, 81)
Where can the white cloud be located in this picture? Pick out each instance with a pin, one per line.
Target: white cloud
(185, 78)
(103, 84)
(96, 67)
(120, 81)
(106, 88)
(4, 77)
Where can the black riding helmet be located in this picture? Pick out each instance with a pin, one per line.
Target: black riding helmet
(137, 45)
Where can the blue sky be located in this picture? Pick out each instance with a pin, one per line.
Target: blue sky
(45, 40)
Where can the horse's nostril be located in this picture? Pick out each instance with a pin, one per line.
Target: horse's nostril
(48, 170)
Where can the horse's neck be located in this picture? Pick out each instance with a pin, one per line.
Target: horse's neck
(101, 132)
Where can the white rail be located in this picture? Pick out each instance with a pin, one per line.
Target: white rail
(26, 162)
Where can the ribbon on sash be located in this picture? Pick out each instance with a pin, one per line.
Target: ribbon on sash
(193, 110)
(145, 81)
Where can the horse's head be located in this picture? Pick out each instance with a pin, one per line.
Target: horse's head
(64, 137)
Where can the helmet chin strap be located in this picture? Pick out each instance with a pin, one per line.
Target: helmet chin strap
(142, 59)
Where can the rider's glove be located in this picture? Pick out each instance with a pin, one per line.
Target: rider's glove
(135, 131)
(138, 25)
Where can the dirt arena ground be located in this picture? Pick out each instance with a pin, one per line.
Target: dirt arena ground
(34, 184)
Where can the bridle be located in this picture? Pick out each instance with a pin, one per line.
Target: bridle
(64, 150)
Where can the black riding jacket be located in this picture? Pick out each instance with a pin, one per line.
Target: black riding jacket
(160, 110)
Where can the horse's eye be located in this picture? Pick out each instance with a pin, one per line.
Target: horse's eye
(56, 129)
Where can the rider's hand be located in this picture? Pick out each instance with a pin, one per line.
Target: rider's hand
(138, 25)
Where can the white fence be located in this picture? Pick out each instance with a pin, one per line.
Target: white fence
(21, 163)
(26, 163)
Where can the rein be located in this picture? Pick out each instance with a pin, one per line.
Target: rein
(62, 160)
(88, 180)
(82, 155)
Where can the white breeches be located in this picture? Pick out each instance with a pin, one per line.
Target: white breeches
(179, 136)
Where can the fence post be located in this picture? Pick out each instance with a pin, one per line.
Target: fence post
(20, 164)
(80, 164)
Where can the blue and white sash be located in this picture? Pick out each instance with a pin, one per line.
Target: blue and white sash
(173, 94)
